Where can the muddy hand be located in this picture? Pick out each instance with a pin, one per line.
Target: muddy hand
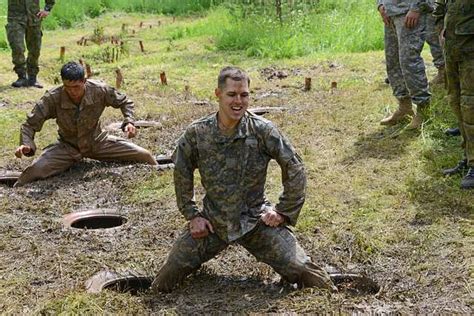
(22, 150)
(200, 227)
(272, 218)
(130, 130)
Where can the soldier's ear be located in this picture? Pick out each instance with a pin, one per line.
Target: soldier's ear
(218, 92)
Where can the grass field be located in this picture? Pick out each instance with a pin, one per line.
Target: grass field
(376, 201)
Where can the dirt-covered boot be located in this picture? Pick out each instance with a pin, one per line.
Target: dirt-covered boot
(419, 117)
(33, 82)
(404, 109)
(439, 78)
(467, 182)
(20, 82)
(459, 168)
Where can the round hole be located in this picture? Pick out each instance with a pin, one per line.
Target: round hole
(354, 283)
(131, 284)
(94, 219)
(9, 178)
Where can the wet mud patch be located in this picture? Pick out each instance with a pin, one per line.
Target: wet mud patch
(355, 284)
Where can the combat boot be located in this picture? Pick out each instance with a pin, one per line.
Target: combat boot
(419, 117)
(439, 78)
(33, 82)
(459, 168)
(468, 181)
(20, 82)
(404, 109)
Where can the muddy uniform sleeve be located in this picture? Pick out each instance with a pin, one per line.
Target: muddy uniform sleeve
(293, 174)
(117, 100)
(185, 160)
(42, 111)
(49, 5)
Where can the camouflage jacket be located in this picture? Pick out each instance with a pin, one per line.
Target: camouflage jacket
(233, 171)
(458, 26)
(78, 126)
(399, 7)
(25, 11)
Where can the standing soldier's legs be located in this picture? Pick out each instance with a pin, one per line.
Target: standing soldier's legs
(413, 67)
(16, 38)
(33, 44)
(55, 159)
(116, 149)
(278, 247)
(432, 38)
(395, 77)
(186, 257)
(466, 76)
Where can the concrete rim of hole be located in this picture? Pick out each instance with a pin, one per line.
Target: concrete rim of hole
(128, 281)
(9, 177)
(138, 124)
(164, 162)
(94, 219)
(355, 283)
(265, 110)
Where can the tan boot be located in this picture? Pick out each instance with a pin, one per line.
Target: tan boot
(404, 109)
(419, 118)
(439, 78)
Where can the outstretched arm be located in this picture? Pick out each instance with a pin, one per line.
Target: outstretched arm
(120, 101)
(42, 111)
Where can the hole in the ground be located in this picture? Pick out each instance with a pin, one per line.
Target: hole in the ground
(9, 178)
(131, 284)
(164, 160)
(265, 110)
(94, 219)
(138, 124)
(354, 283)
(128, 281)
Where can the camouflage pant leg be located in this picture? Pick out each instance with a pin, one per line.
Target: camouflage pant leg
(454, 92)
(116, 149)
(410, 44)
(16, 32)
(54, 159)
(33, 44)
(432, 38)
(186, 257)
(278, 247)
(466, 75)
(392, 59)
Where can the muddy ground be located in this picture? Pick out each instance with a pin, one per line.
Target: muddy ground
(376, 206)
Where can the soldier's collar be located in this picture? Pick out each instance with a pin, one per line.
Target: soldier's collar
(241, 130)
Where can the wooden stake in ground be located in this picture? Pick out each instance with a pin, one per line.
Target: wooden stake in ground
(124, 27)
(141, 46)
(187, 92)
(62, 52)
(88, 71)
(307, 84)
(163, 78)
(333, 86)
(141, 24)
(118, 78)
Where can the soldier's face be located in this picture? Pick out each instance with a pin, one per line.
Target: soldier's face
(233, 101)
(75, 89)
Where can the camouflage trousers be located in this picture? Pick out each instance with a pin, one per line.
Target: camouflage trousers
(460, 75)
(405, 66)
(18, 33)
(58, 157)
(276, 246)
(432, 38)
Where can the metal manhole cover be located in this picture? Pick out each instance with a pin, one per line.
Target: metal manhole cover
(94, 219)
(127, 282)
(9, 177)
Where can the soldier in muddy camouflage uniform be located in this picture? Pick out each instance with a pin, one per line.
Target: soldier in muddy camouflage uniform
(77, 106)
(458, 34)
(24, 24)
(232, 149)
(405, 35)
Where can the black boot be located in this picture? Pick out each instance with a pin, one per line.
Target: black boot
(459, 168)
(20, 82)
(32, 82)
(454, 131)
(468, 181)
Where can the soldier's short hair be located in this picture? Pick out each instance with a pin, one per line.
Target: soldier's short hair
(233, 73)
(72, 71)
